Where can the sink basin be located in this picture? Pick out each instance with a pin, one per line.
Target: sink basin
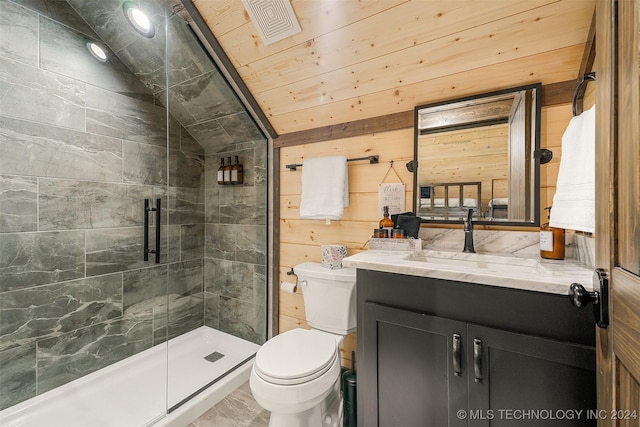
(482, 262)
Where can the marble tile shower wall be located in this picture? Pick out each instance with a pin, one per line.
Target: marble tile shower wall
(235, 246)
(202, 102)
(81, 145)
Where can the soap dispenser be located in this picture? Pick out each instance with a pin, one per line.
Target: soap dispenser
(551, 239)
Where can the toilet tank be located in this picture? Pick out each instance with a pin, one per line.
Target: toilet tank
(329, 297)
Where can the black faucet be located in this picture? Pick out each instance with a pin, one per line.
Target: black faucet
(468, 233)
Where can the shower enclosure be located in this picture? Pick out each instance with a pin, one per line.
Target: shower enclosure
(102, 108)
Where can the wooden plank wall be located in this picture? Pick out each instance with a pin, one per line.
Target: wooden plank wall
(300, 240)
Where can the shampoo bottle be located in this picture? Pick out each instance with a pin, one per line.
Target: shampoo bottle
(551, 240)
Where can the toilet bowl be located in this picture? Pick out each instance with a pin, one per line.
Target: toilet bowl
(296, 375)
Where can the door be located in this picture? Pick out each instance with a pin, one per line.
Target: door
(521, 380)
(419, 367)
(618, 208)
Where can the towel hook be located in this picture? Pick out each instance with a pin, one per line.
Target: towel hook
(585, 78)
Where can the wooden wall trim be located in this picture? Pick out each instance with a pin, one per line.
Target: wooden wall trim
(552, 94)
(385, 123)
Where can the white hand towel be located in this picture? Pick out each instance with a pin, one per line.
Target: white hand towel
(574, 205)
(325, 187)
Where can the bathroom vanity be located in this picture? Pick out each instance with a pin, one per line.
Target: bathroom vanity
(437, 348)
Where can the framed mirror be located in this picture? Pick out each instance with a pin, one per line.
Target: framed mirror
(480, 153)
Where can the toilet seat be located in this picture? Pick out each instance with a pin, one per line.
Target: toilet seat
(296, 357)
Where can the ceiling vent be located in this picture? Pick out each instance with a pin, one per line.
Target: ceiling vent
(274, 19)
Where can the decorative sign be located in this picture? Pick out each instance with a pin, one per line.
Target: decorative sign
(392, 195)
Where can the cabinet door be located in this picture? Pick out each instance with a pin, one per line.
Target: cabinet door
(412, 369)
(521, 380)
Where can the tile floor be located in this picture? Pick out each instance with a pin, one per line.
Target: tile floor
(239, 409)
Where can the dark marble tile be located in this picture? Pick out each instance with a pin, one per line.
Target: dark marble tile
(30, 259)
(144, 290)
(242, 205)
(241, 127)
(188, 144)
(185, 278)
(178, 111)
(18, 33)
(207, 97)
(64, 51)
(185, 56)
(243, 319)
(185, 314)
(59, 11)
(172, 243)
(121, 116)
(46, 311)
(186, 205)
(186, 170)
(37, 95)
(251, 242)
(211, 310)
(220, 241)
(18, 204)
(160, 324)
(212, 205)
(89, 205)
(210, 134)
(17, 375)
(235, 280)
(144, 164)
(115, 249)
(146, 58)
(70, 356)
(259, 168)
(192, 240)
(58, 153)
(174, 126)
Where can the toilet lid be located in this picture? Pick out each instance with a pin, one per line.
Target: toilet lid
(296, 356)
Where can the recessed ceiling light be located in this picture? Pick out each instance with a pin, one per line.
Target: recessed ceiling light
(138, 19)
(97, 52)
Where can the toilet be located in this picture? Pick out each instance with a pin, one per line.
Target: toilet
(296, 375)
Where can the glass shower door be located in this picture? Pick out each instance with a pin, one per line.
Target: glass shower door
(83, 142)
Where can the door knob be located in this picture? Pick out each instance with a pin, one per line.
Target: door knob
(580, 297)
(599, 297)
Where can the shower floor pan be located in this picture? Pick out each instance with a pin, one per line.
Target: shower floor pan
(204, 366)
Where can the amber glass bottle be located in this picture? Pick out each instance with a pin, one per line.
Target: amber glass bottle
(551, 240)
(236, 172)
(221, 172)
(227, 172)
(386, 222)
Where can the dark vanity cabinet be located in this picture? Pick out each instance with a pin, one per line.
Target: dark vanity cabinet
(442, 353)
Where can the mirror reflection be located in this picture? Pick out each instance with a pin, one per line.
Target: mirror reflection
(479, 153)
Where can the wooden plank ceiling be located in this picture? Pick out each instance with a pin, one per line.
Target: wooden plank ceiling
(356, 60)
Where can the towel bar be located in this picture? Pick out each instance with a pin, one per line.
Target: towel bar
(372, 161)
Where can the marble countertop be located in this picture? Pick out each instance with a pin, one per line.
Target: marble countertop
(494, 269)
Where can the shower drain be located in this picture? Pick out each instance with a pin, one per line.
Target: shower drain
(214, 356)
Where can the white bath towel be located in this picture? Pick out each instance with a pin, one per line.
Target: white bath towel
(325, 187)
(574, 205)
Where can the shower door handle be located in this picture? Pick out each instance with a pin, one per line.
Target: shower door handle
(148, 209)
